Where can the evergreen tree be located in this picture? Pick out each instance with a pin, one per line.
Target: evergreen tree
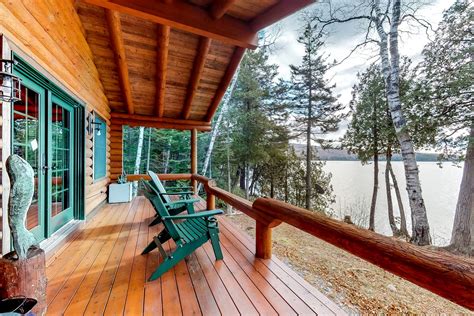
(445, 107)
(314, 104)
(370, 134)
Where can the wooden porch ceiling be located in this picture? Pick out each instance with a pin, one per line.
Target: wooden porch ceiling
(102, 272)
(173, 59)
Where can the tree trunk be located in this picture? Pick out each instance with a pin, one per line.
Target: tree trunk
(308, 161)
(167, 156)
(215, 130)
(391, 73)
(138, 159)
(247, 181)
(403, 221)
(374, 192)
(272, 188)
(373, 204)
(388, 189)
(462, 238)
(148, 152)
(242, 177)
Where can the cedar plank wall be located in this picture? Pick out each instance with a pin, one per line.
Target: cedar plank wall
(51, 34)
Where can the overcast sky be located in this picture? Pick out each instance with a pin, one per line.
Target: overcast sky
(341, 40)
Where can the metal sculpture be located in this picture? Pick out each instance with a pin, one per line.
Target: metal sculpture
(22, 188)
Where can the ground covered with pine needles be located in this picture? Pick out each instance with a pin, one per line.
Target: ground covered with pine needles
(356, 285)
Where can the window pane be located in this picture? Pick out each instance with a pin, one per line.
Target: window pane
(100, 143)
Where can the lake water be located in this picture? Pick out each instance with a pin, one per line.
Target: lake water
(353, 183)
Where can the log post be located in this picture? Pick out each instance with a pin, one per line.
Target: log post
(210, 201)
(263, 240)
(194, 158)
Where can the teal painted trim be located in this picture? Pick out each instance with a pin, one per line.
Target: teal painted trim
(29, 74)
(25, 69)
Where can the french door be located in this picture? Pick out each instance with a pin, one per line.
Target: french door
(43, 134)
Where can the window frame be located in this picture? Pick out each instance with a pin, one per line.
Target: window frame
(94, 156)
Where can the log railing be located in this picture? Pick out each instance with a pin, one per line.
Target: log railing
(447, 275)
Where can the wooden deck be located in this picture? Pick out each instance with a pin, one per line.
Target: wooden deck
(101, 271)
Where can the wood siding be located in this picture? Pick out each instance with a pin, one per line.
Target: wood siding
(50, 36)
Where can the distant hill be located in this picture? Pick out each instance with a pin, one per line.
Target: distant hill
(343, 155)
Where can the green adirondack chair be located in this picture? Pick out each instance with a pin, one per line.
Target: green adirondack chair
(189, 232)
(155, 187)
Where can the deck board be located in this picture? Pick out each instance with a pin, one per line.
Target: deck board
(102, 271)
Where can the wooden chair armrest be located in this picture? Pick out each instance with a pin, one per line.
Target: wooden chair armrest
(187, 201)
(178, 193)
(186, 187)
(203, 214)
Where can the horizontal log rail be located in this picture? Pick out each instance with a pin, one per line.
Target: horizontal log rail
(447, 275)
(442, 273)
(163, 176)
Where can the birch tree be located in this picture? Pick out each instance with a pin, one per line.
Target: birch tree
(216, 127)
(138, 158)
(382, 23)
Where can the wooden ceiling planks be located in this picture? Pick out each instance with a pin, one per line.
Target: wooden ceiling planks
(163, 38)
(174, 72)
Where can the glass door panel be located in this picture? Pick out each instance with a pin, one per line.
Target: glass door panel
(26, 143)
(61, 155)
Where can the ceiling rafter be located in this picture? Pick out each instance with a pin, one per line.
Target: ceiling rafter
(278, 12)
(163, 38)
(220, 7)
(225, 81)
(116, 37)
(199, 61)
(187, 17)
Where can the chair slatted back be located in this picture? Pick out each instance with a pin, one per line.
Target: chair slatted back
(157, 183)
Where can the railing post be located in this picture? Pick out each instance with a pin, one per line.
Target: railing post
(210, 201)
(263, 240)
(194, 158)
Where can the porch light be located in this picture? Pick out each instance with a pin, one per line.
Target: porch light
(91, 123)
(10, 89)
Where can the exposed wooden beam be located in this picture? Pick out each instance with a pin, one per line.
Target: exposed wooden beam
(162, 125)
(226, 79)
(161, 67)
(277, 12)
(199, 61)
(220, 7)
(168, 120)
(187, 17)
(116, 37)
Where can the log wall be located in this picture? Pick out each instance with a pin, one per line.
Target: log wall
(50, 36)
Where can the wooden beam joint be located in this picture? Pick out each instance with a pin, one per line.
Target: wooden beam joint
(199, 62)
(116, 37)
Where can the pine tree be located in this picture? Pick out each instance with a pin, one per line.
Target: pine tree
(445, 106)
(314, 105)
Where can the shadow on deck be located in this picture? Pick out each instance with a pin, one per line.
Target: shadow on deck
(101, 271)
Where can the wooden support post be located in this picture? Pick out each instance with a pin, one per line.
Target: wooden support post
(263, 239)
(210, 201)
(194, 158)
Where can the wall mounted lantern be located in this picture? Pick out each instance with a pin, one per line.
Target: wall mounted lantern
(10, 89)
(93, 125)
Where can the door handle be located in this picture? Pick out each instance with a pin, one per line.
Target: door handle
(45, 166)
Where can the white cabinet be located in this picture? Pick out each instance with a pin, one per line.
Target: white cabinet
(120, 192)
